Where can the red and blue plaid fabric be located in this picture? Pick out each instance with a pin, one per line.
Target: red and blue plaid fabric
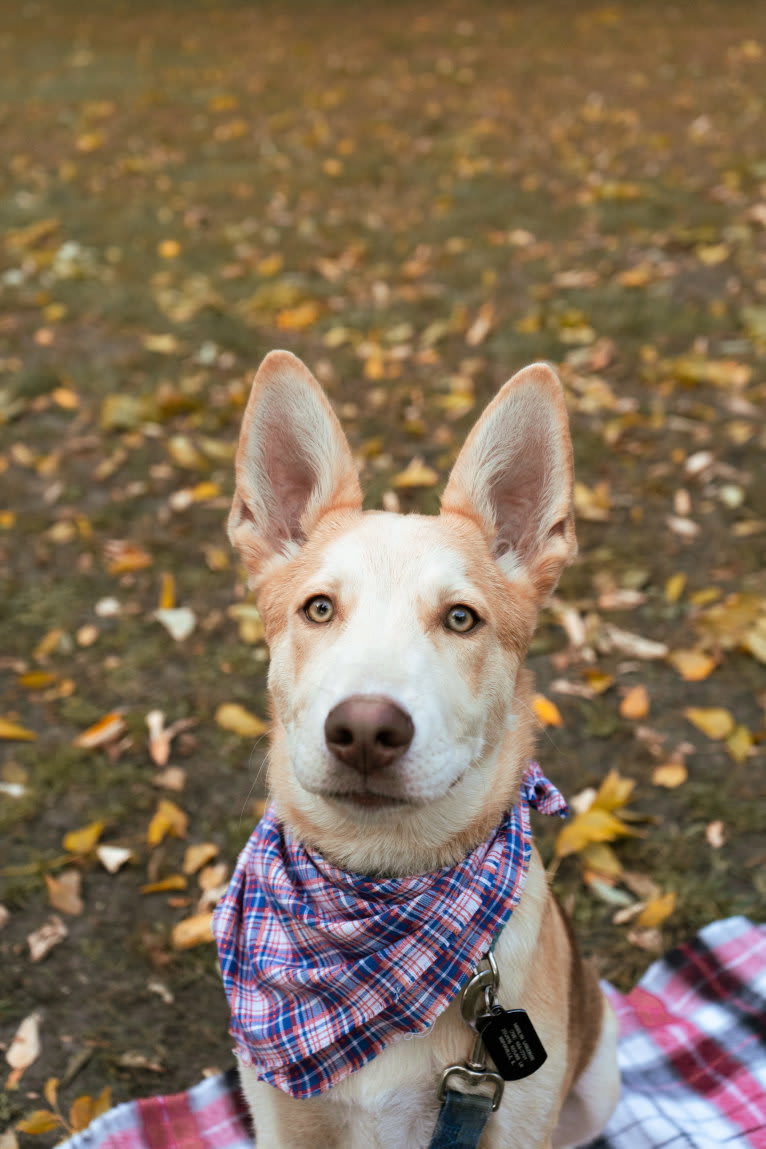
(324, 968)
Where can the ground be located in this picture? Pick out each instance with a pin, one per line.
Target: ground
(417, 199)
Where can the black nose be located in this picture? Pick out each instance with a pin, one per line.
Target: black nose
(368, 732)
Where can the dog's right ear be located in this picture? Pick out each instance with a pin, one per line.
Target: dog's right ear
(293, 463)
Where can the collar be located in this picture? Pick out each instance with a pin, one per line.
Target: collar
(324, 968)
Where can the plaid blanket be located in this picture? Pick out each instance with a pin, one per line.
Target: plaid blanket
(692, 1056)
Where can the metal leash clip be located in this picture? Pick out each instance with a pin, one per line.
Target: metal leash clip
(477, 1000)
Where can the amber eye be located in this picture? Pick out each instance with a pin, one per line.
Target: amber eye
(461, 619)
(319, 608)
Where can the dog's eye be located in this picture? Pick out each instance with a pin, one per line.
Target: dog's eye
(319, 608)
(461, 619)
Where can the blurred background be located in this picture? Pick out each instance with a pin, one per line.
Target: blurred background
(418, 199)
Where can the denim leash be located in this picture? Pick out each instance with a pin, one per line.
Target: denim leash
(461, 1120)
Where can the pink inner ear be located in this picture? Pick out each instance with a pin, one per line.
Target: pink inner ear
(292, 480)
(515, 494)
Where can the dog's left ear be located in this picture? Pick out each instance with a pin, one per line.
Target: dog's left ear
(514, 476)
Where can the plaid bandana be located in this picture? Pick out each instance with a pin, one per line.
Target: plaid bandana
(324, 968)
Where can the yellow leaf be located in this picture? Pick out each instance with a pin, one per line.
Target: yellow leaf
(167, 592)
(598, 681)
(635, 704)
(692, 665)
(103, 1101)
(167, 819)
(169, 249)
(674, 587)
(714, 721)
(595, 825)
(270, 265)
(89, 142)
(546, 711)
(754, 641)
(193, 931)
(415, 474)
(739, 743)
(50, 1091)
(48, 643)
(41, 1121)
(171, 882)
(161, 344)
(601, 858)
(83, 841)
(106, 730)
(12, 732)
(637, 276)
(231, 716)
(656, 911)
(128, 557)
(198, 855)
(201, 492)
(184, 454)
(613, 792)
(81, 1113)
(671, 775)
(298, 318)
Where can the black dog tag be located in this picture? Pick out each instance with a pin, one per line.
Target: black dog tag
(512, 1042)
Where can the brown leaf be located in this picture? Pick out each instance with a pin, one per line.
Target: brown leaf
(671, 775)
(692, 665)
(171, 882)
(635, 704)
(193, 931)
(81, 1113)
(198, 855)
(64, 891)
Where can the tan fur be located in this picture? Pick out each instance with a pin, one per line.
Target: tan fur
(504, 534)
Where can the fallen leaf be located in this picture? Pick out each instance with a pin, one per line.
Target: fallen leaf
(415, 474)
(714, 834)
(39, 1121)
(656, 911)
(211, 877)
(692, 665)
(198, 855)
(546, 711)
(171, 882)
(179, 621)
(193, 931)
(714, 721)
(646, 939)
(614, 791)
(107, 729)
(674, 587)
(671, 775)
(168, 819)
(739, 743)
(81, 1113)
(12, 732)
(113, 858)
(83, 841)
(635, 704)
(634, 645)
(41, 941)
(125, 557)
(601, 858)
(481, 326)
(24, 1048)
(231, 716)
(64, 891)
(134, 1059)
(598, 680)
(595, 825)
(103, 1102)
(173, 778)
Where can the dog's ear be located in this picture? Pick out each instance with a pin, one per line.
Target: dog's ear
(293, 463)
(514, 476)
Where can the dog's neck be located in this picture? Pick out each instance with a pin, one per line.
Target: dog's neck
(425, 840)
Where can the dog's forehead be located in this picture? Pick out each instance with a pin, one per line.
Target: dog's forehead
(405, 551)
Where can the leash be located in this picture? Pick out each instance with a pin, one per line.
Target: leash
(512, 1042)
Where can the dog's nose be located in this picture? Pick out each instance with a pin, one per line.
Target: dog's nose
(368, 732)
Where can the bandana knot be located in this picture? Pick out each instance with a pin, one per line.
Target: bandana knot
(324, 968)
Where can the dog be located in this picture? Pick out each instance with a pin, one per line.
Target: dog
(402, 729)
